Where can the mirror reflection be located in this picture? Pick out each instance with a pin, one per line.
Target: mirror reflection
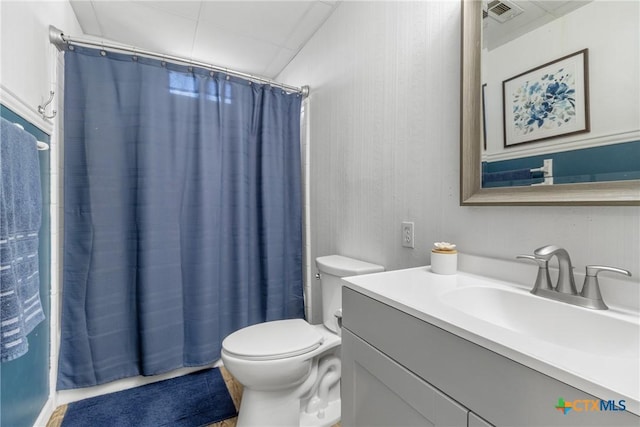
(560, 92)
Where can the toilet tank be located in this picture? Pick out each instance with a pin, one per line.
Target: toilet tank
(332, 268)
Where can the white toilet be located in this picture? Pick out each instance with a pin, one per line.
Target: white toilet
(290, 369)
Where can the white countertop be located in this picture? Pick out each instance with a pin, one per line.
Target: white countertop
(417, 292)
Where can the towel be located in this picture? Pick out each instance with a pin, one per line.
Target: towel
(508, 178)
(511, 175)
(20, 218)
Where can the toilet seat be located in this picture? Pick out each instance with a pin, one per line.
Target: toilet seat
(277, 339)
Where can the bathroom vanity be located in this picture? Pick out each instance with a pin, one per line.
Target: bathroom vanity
(417, 352)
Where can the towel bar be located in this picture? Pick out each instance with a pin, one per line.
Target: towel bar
(41, 145)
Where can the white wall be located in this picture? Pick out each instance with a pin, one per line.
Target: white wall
(384, 127)
(610, 30)
(26, 62)
(28, 71)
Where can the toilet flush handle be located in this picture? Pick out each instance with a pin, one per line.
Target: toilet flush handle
(338, 316)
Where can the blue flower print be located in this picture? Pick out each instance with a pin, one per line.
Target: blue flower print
(546, 103)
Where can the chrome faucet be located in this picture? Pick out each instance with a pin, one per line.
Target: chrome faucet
(566, 283)
(565, 289)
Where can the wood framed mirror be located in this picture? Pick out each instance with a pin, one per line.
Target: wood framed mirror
(623, 192)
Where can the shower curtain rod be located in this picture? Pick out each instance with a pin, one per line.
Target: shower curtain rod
(59, 40)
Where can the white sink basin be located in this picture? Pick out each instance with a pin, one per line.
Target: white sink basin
(565, 325)
(596, 351)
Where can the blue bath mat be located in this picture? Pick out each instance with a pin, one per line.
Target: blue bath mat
(193, 400)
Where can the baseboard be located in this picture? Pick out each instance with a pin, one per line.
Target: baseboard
(45, 413)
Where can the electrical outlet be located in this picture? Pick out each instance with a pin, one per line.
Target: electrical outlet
(407, 234)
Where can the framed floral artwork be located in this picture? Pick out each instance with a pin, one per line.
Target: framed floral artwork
(548, 101)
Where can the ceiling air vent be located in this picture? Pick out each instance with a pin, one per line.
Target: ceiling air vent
(502, 10)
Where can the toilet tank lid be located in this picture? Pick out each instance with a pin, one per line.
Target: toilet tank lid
(342, 266)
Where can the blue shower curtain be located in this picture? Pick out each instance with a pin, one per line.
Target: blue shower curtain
(182, 214)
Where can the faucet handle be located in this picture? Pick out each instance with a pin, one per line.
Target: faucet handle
(540, 261)
(593, 270)
(543, 280)
(591, 287)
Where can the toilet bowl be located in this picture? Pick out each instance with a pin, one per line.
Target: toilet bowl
(290, 369)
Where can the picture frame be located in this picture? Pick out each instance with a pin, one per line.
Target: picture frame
(549, 101)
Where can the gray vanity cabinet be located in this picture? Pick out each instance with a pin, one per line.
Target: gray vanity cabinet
(476, 421)
(378, 392)
(400, 370)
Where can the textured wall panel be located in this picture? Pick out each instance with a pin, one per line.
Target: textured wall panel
(384, 142)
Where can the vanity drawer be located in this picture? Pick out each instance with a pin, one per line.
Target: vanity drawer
(376, 391)
(500, 390)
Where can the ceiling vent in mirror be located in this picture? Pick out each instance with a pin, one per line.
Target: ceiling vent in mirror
(502, 10)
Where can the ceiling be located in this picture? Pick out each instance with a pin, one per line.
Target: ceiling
(255, 37)
(532, 14)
